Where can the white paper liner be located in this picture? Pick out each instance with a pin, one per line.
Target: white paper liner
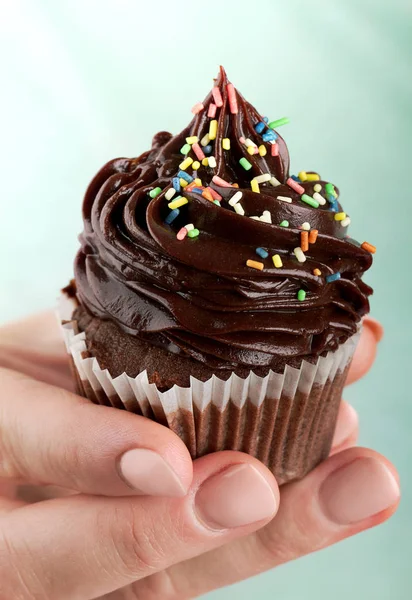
(285, 413)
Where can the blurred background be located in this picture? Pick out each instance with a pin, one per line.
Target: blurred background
(84, 81)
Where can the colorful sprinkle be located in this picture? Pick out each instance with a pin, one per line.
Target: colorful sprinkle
(191, 186)
(284, 223)
(196, 190)
(369, 247)
(217, 96)
(299, 254)
(196, 165)
(251, 150)
(226, 144)
(185, 149)
(213, 129)
(206, 194)
(217, 202)
(198, 151)
(284, 199)
(212, 162)
(265, 177)
(155, 192)
(176, 183)
(277, 261)
(239, 209)
(301, 295)
(189, 227)
(313, 236)
(214, 193)
(172, 216)
(181, 234)
(178, 202)
(295, 186)
(317, 272)
(313, 177)
(219, 181)
(235, 198)
(170, 193)
(319, 198)
(262, 252)
(303, 175)
(260, 127)
(278, 122)
(308, 200)
(198, 181)
(269, 136)
(186, 163)
(274, 151)
(295, 178)
(304, 241)
(207, 149)
(266, 217)
(211, 113)
(329, 188)
(231, 92)
(254, 264)
(317, 187)
(205, 140)
(245, 163)
(192, 139)
(274, 182)
(333, 277)
(205, 162)
(255, 186)
(185, 176)
(262, 150)
(197, 108)
(345, 222)
(340, 216)
(193, 233)
(183, 183)
(305, 226)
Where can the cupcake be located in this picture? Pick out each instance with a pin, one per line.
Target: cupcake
(217, 293)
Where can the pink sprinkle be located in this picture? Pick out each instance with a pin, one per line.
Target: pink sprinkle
(217, 96)
(198, 107)
(255, 150)
(219, 181)
(212, 110)
(181, 234)
(214, 194)
(198, 151)
(274, 150)
(231, 92)
(295, 186)
(242, 140)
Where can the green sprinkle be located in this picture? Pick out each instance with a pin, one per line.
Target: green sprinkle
(185, 149)
(308, 200)
(278, 123)
(245, 164)
(301, 295)
(193, 233)
(217, 202)
(155, 192)
(284, 224)
(329, 188)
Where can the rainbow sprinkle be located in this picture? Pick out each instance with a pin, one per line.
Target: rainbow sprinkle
(262, 252)
(255, 265)
(197, 108)
(301, 295)
(317, 272)
(295, 186)
(170, 193)
(185, 176)
(333, 277)
(217, 96)
(239, 209)
(245, 163)
(278, 122)
(313, 236)
(178, 202)
(226, 144)
(255, 186)
(369, 247)
(231, 92)
(340, 216)
(211, 113)
(299, 254)
(172, 216)
(186, 163)
(277, 261)
(155, 192)
(235, 198)
(185, 149)
(284, 223)
(193, 233)
(181, 234)
(198, 151)
(219, 181)
(213, 129)
(308, 200)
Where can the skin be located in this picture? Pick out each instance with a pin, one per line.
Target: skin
(72, 528)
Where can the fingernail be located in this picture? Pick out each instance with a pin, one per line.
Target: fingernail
(148, 473)
(238, 496)
(346, 425)
(358, 491)
(374, 326)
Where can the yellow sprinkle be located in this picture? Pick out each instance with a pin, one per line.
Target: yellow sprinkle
(317, 187)
(178, 203)
(193, 139)
(255, 186)
(303, 176)
(205, 162)
(255, 264)
(251, 150)
(205, 140)
(198, 181)
(183, 183)
(262, 150)
(317, 272)
(340, 216)
(226, 144)
(312, 177)
(186, 163)
(195, 165)
(213, 129)
(277, 261)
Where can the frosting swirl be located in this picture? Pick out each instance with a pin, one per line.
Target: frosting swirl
(196, 296)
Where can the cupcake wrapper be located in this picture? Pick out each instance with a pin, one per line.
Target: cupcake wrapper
(285, 420)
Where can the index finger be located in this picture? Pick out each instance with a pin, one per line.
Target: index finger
(365, 353)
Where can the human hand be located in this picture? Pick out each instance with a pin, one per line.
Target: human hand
(151, 524)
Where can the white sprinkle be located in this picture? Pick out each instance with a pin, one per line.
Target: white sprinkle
(284, 199)
(306, 226)
(317, 187)
(170, 193)
(205, 140)
(319, 198)
(274, 181)
(263, 178)
(212, 162)
(239, 209)
(266, 217)
(235, 198)
(248, 142)
(189, 227)
(299, 255)
(345, 222)
(256, 218)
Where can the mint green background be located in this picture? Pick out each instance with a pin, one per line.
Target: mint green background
(84, 81)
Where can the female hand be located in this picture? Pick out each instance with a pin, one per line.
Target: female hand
(142, 521)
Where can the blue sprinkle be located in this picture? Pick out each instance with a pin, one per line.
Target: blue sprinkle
(176, 183)
(197, 190)
(260, 127)
(185, 176)
(262, 252)
(334, 277)
(172, 216)
(295, 178)
(266, 119)
(270, 136)
(207, 149)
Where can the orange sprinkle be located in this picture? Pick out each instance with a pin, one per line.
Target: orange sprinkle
(304, 241)
(206, 194)
(317, 272)
(255, 265)
(190, 187)
(313, 236)
(369, 247)
(236, 185)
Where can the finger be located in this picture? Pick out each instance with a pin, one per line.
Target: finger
(85, 547)
(51, 436)
(347, 428)
(350, 492)
(365, 353)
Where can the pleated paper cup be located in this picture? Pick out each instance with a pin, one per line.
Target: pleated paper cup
(286, 420)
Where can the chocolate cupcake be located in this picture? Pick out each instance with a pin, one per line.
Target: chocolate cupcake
(216, 293)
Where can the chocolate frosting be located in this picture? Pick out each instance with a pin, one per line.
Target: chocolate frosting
(197, 297)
